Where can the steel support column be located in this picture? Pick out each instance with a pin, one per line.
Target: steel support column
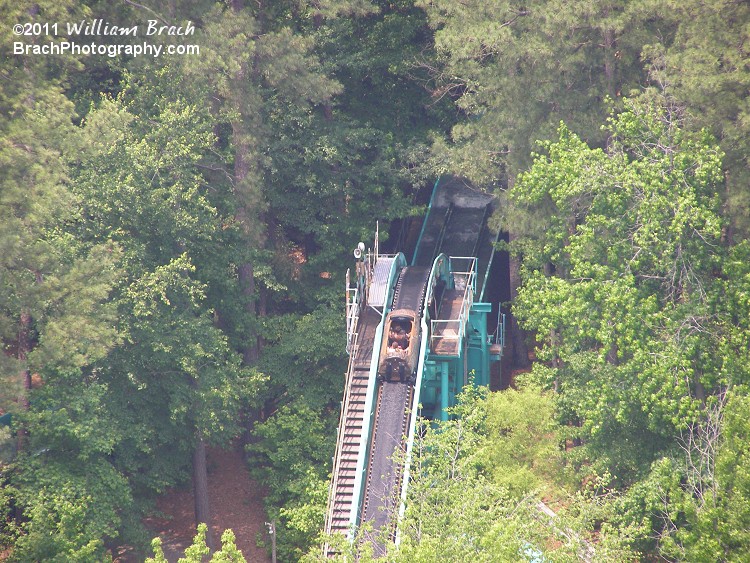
(444, 391)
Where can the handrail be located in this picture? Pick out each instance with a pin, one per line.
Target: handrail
(443, 228)
(467, 300)
(437, 265)
(475, 250)
(354, 299)
(489, 267)
(412, 426)
(499, 337)
(352, 315)
(377, 240)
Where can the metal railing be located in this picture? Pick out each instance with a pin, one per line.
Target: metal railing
(499, 336)
(443, 330)
(353, 300)
(412, 428)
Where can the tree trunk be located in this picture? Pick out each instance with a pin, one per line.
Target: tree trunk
(200, 490)
(700, 390)
(24, 345)
(251, 350)
(247, 191)
(609, 61)
(612, 358)
(252, 230)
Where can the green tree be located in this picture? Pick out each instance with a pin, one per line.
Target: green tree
(198, 550)
(704, 68)
(43, 268)
(142, 182)
(634, 245)
(632, 242)
(516, 69)
(264, 67)
(292, 457)
(704, 479)
(308, 356)
(56, 321)
(523, 453)
(459, 506)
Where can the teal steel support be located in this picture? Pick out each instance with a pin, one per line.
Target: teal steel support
(474, 365)
(444, 391)
(479, 356)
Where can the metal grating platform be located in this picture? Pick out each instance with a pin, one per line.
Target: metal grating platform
(446, 335)
(379, 285)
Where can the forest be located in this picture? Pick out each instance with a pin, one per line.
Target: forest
(178, 207)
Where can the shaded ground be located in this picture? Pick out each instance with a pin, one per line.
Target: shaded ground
(236, 503)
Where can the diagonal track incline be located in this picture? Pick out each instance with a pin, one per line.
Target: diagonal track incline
(349, 446)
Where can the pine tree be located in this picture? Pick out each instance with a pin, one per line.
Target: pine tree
(705, 68)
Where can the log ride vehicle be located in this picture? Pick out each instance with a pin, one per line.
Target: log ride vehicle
(400, 349)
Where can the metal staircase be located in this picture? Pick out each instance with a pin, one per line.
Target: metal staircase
(349, 446)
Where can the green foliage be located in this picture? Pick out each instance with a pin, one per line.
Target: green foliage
(198, 550)
(8, 527)
(732, 475)
(381, 61)
(292, 458)
(131, 420)
(523, 454)
(63, 523)
(459, 506)
(734, 301)
(705, 486)
(704, 68)
(307, 356)
(56, 319)
(74, 498)
(145, 189)
(452, 503)
(345, 166)
(632, 244)
(304, 517)
(53, 288)
(128, 222)
(635, 246)
(517, 70)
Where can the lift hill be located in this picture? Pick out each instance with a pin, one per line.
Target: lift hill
(444, 283)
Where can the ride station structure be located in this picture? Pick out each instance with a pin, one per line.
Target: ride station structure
(391, 379)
